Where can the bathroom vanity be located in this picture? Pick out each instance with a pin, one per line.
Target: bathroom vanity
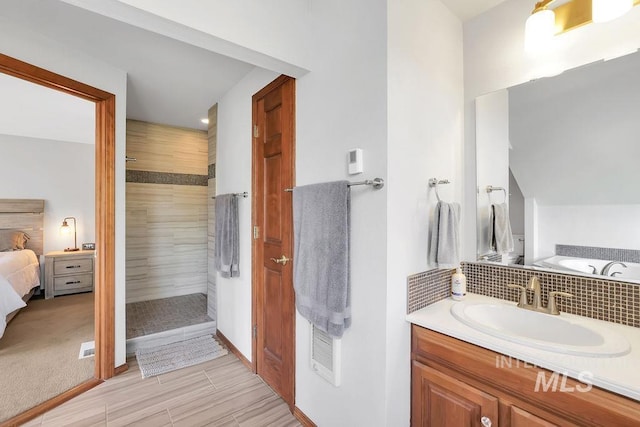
(461, 376)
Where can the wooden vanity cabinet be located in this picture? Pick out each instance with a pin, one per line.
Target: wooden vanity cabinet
(455, 383)
(443, 400)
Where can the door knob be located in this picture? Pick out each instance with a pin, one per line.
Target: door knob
(283, 260)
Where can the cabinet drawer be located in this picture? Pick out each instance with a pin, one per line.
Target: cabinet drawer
(72, 266)
(73, 282)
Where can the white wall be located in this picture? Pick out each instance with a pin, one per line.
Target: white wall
(425, 140)
(588, 225)
(61, 173)
(492, 157)
(35, 49)
(341, 104)
(346, 102)
(233, 175)
(494, 58)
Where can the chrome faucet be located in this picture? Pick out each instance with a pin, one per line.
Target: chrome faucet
(536, 304)
(607, 267)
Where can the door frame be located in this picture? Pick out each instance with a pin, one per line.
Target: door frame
(104, 290)
(256, 252)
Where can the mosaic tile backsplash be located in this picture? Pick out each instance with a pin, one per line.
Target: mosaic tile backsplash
(428, 287)
(610, 254)
(601, 299)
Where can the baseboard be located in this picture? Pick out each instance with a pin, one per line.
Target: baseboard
(48, 405)
(304, 420)
(121, 369)
(232, 348)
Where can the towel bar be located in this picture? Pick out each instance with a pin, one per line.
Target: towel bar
(376, 183)
(243, 195)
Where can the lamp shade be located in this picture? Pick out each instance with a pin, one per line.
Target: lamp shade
(65, 228)
(608, 10)
(539, 30)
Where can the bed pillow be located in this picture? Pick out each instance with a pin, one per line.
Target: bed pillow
(12, 240)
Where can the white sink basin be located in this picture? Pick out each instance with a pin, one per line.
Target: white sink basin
(565, 333)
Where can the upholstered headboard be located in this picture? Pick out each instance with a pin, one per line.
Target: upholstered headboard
(26, 215)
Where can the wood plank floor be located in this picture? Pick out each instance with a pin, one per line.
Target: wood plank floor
(221, 392)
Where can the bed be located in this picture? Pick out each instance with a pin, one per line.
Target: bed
(19, 256)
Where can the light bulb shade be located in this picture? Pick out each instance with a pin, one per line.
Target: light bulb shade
(65, 228)
(539, 30)
(608, 10)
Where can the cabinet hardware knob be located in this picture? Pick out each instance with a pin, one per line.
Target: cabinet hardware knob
(75, 282)
(73, 266)
(485, 421)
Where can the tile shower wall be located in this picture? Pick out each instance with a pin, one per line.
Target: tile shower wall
(601, 299)
(166, 207)
(611, 254)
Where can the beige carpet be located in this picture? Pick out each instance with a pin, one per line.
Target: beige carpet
(39, 352)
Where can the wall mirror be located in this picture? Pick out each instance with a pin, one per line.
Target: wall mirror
(566, 150)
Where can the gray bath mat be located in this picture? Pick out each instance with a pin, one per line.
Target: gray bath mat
(166, 358)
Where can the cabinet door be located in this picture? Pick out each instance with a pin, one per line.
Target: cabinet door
(522, 418)
(438, 400)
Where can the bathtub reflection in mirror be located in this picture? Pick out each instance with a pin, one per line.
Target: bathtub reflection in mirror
(566, 149)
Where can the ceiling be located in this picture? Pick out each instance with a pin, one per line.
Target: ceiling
(468, 9)
(168, 81)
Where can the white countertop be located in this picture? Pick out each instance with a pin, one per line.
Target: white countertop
(617, 374)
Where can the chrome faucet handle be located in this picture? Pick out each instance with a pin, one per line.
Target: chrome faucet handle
(594, 270)
(552, 307)
(523, 295)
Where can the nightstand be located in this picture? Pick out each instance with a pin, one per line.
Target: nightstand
(68, 273)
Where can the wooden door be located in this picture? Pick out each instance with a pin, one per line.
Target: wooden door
(273, 297)
(439, 400)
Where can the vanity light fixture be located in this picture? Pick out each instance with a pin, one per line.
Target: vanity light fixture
(540, 27)
(65, 229)
(608, 10)
(545, 23)
(205, 121)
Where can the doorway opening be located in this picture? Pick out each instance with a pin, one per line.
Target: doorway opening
(104, 260)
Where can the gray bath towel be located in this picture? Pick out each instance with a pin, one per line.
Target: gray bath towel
(226, 241)
(501, 237)
(321, 227)
(444, 244)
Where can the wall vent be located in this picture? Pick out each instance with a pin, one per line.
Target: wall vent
(325, 355)
(87, 349)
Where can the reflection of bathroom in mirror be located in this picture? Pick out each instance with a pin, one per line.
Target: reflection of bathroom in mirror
(567, 151)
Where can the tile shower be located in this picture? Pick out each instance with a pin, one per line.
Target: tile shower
(159, 315)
